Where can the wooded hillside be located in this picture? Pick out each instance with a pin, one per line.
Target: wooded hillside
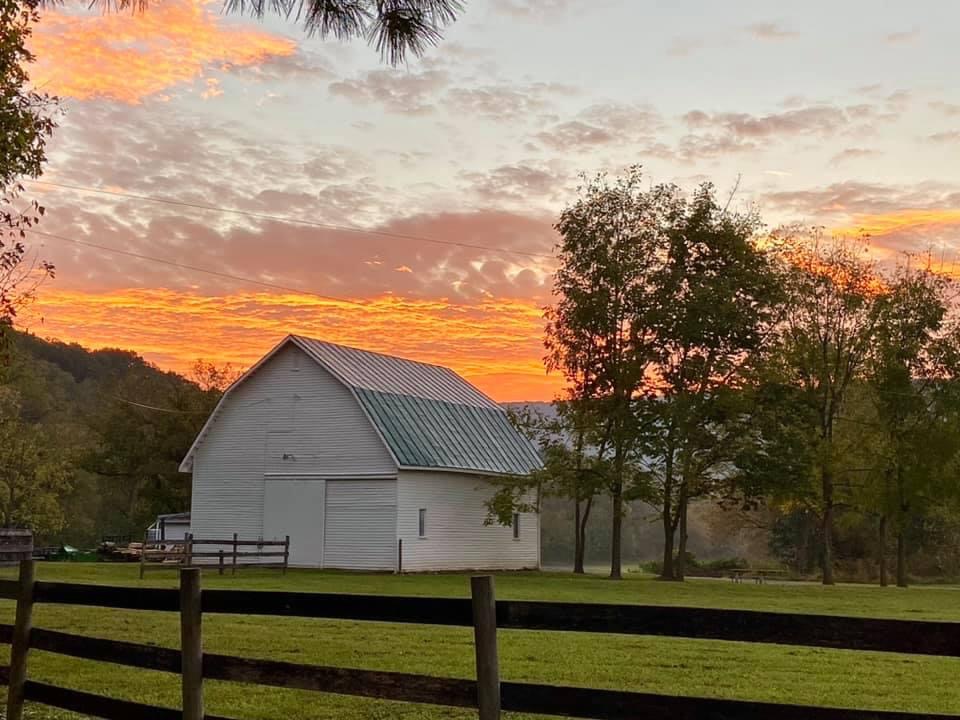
(90, 441)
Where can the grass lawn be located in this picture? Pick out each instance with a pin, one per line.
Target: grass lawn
(689, 667)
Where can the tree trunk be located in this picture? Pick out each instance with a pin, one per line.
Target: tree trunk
(577, 543)
(580, 550)
(901, 559)
(669, 533)
(615, 549)
(680, 567)
(669, 526)
(882, 554)
(582, 537)
(901, 529)
(133, 500)
(827, 562)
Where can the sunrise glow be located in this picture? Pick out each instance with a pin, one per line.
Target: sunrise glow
(495, 344)
(126, 58)
(419, 201)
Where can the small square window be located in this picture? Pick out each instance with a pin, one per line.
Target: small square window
(423, 523)
(516, 526)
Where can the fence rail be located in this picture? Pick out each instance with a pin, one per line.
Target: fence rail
(486, 615)
(179, 554)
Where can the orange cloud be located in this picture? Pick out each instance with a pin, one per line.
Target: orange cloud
(879, 225)
(496, 343)
(130, 57)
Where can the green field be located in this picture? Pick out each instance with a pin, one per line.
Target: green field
(688, 667)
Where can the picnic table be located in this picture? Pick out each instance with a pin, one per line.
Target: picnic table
(758, 575)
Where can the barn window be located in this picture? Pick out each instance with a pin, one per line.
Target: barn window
(516, 526)
(423, 522)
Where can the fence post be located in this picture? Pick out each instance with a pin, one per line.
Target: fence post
(286, 554)
(188, 550)
(485, 642)
(220, 569)
(400, 556)
(21, 640)
(191, 644)
(233, 571)
(143, 553)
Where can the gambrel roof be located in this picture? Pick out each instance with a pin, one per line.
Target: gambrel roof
(428, 416)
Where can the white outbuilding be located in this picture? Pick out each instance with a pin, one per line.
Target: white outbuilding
(365, 460)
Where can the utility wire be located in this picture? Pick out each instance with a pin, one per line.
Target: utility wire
(158, 409)
(292, 221)
(196, 268)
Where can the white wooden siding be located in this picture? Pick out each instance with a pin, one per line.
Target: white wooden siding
(456, 538)
(171, 531)
(360, 527)
(176, 531)
(295, 507)
(291, 418)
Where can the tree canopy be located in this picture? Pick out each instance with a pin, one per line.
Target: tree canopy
(707, 359)
(662, 299)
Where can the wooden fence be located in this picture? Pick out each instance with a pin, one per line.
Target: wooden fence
(179, 554)
(483, 613)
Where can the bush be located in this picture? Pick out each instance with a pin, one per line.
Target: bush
(724, 564)
(696, 568)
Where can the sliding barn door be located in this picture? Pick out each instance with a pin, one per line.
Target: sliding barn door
(360, 525)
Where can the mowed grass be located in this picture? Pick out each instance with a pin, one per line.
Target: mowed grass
(665, 665)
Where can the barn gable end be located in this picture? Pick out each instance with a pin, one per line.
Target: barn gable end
(287, 418)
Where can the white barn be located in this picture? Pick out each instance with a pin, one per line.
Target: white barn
(354, 455)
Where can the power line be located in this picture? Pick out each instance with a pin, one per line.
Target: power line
(196, 268)
(158, 409)
(292, 221)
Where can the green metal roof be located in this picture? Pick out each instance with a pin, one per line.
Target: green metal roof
(428, 433)
(429, 416)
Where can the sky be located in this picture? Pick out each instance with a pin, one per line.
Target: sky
(218, 181)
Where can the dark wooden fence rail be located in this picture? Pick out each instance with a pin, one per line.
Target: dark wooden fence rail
(486, 615)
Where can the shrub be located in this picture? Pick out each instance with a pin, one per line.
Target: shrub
(695, 568)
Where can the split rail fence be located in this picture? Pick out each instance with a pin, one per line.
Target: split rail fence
(191, 552)
(487, 693)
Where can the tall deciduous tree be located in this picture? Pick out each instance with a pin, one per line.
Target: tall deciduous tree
(26, 121)
(600, 331)
(574, 468)
(909, 377)
(718, 297)
(824, 342)
(583, 468)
